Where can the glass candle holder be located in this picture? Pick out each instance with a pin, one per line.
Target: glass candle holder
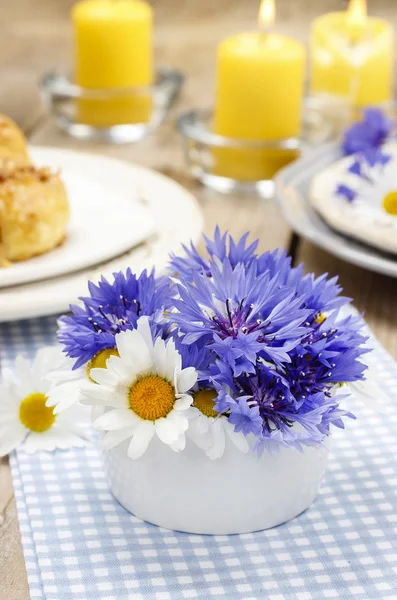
(117, 115)
(352, 58)
(235, 165)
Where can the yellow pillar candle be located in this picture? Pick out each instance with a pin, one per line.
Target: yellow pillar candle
(259, 97)
(113, 49)
(352, 56)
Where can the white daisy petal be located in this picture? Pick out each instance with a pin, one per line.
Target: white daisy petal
(180, 444)
(7, 376)
(190, 412)
(65, 438)
(105, 376)
(65, 385)
(12, 437)
(184, 402)
(7, 418)
(119, 370)
(186, 379)
(200, 431)
(111, 439)
(160, 357)
(141, 439)
(24, 374)
(96, 411)
(179, 420)
(204, 424)
(143, 327)
(238, 439)
(47, 359)
(76, 420)
(63, 396)
(65, 372)
(174, 361)
(218, 441)
(133, 350)
(96, 395)
(118, 418)
(36, 441)
(166, 431)
(9, 400)
(64, 405)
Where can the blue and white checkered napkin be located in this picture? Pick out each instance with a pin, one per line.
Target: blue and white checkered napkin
(80, 544)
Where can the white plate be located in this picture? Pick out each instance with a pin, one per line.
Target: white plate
(292, 185)
(106, 217)
(177, 219)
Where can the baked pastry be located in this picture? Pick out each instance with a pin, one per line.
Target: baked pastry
(9, 162)
(34, 210)
(12, 139)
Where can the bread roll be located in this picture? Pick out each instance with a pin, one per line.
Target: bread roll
(12, 140)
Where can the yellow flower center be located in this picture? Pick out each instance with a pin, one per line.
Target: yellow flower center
(320, 318)
(152, 397)
(390, 203)
(204, 400)
(34, 414)
(99, 360)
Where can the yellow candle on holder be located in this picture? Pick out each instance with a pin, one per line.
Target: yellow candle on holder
(352, 56)
(259, 97)
(113, 49)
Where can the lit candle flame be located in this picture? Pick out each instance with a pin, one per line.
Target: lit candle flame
(267, 13)
(357, 11)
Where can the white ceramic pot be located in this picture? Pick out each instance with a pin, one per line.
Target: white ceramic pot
(237, 493)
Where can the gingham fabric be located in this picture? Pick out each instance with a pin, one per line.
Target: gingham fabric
(80, 544)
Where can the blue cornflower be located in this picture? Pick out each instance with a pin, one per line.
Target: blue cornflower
(311, 424)
(270, 412)
(274, 342)
(329, 354)
(238, 352)
(345, 191)
(236, 302)
(269, 392)
(320, 293)
(110, 308)
(374, 157)
(246, 418)
(368, 134)
(356, 168)
(220, 248)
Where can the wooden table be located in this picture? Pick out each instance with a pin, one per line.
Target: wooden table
(36, 37)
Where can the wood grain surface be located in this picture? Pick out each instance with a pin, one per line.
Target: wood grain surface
(36, 37)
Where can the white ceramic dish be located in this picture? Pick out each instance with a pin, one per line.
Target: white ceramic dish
(177, 219)
(106, 218)
(292, 188)
(237, 493)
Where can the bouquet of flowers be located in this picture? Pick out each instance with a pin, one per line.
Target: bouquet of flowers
(235, 345)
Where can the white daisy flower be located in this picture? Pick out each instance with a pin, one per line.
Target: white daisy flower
(67, 382)
(208, 429)
(143, 391)
(24, 415)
